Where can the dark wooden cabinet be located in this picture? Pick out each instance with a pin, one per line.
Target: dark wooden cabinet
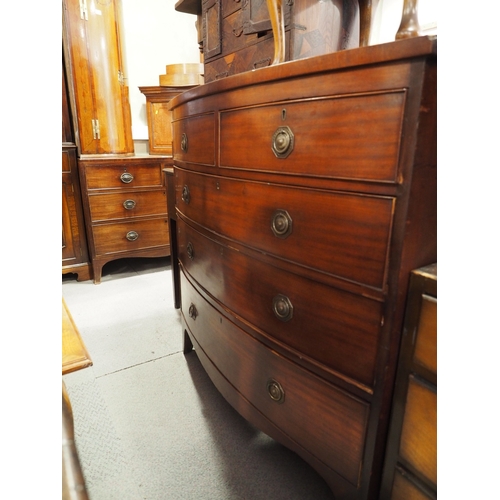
(237, 36)
(411, 460)
(75, 258)
(305, 195)
(125, 204)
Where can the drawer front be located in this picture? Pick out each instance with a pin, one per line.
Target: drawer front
(359, 136)
(120, 176)
(130, 235)
(426, 342)
(194, 139)
(318, 321)
(126, 205)
(418, 444)
(345, 235)
(258, 55)
(324, 420)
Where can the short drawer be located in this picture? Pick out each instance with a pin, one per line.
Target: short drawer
(345, 235)
(130, 235)
(194, 139)
(317, 321)
(418, 445)
(257, 55)
(320, 417)
(127, 205)
(121, 176)
(351, 137)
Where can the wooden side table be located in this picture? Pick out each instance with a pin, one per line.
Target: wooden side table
(74, 357)
(74, 353)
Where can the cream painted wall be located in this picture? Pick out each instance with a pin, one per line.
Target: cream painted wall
(155, 35)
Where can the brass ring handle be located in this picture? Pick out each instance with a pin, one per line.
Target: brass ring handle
(132, 236)
(282, 308)
(283, 142)
(129, 204)
(126, 178)
(186, 195)
(184, 142)
(281, 224)
(190, 250)
(193, 312)
(275, 391)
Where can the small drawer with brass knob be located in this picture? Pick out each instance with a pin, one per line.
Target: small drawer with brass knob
(110, 206)
(116, 176)
(130, 235)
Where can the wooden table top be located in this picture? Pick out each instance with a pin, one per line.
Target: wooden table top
(74, 352)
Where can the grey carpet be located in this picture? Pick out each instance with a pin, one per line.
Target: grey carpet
(149, 423)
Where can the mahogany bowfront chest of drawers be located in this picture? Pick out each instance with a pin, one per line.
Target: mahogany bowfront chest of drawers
(125, 206)
(305, 194)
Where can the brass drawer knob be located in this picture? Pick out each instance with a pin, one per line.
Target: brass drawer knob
(282, 307)
(186, 195)
(275, 391)
(129, 204)
(193, 312)
(190, 250)
(281, 224)
(283, 142)
(126, 178)
(132, 236)
(184, 142)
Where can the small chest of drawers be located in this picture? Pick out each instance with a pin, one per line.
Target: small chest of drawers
(125, 206)
(305, 195)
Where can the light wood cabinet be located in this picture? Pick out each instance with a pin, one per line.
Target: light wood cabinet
(160, 117)
(97, 76)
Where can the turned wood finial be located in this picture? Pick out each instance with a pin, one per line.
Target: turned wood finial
(409, 26)
(277, 17)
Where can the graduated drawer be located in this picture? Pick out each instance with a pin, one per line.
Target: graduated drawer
(418, 444)
(324, 323)
(126, 205)
(323, 419)
(345, 235)
(353, 137)
(194, 139)
(120, 176)
(130, 235)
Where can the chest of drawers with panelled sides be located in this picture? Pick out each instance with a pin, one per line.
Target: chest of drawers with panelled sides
(305, 194)
(125, 206)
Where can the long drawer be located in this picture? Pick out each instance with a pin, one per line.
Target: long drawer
(325, 420)
(121, 176)
(317, 321)
(353, 136)
(344, 235)
(130, 235)
(126, 205)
